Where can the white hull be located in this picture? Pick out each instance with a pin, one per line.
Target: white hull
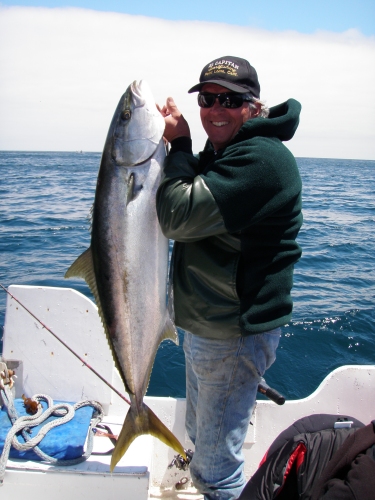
(47, 367)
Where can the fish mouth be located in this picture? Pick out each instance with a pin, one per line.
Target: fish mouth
(141, 93)
(136, 88)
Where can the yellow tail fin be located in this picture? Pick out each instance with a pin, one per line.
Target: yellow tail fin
(143, 422)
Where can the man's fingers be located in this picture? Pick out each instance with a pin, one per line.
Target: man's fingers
(169, 109)
(163, 111)
(172, 108)
(175, 123)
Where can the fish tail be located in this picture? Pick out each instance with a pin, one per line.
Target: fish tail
(141, 422)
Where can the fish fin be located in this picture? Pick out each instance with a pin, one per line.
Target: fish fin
(143, 422)
(90, 217)
(83, 267)
(130, 195)
(170, 331)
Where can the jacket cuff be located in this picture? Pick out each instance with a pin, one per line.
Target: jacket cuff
(183, 144)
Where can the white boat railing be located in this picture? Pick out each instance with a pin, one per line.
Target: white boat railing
(44, 365)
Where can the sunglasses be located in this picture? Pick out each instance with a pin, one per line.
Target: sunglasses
(226, 100)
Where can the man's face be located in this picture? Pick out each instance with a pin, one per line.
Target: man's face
(222, 124)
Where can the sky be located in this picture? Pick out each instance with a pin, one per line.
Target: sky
(65, 65)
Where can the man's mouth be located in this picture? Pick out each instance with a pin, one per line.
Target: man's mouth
(219, 124)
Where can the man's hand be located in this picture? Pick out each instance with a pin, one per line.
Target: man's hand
(175, 123)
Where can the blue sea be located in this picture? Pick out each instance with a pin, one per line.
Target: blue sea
(45, 201)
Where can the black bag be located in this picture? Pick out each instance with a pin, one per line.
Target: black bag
(299, 456)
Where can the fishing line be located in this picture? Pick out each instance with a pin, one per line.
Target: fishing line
(69, 348)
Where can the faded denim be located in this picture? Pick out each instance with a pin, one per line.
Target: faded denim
(222, 378)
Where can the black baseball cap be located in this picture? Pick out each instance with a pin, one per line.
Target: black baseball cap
(233, 73)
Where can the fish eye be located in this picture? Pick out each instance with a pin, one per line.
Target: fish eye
(126, 114)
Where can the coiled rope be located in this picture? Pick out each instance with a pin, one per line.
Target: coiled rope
(64, 411)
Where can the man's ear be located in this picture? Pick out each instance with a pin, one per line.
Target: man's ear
(256, 112)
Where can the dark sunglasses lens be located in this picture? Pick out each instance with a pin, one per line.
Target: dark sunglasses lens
(232, 101)
(206, 100)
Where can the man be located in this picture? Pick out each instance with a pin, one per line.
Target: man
(234, 213)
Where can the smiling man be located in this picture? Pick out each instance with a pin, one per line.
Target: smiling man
(234, 212)
(222, 123)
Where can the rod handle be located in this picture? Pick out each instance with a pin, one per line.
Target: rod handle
(271, 394)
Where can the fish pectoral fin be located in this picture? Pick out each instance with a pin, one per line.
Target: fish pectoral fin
(83, 267)
(131, 193)
(170, 331)
(143, 422)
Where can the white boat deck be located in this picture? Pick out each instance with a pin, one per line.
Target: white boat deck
(44, 365)
(64, 482)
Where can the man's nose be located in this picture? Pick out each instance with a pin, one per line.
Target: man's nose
(217, 105)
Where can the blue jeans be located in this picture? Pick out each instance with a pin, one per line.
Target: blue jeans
(222, 378)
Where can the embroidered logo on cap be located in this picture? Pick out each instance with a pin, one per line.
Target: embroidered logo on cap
(222, 66)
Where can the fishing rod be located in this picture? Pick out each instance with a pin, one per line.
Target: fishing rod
(263, 388)
(69, 348)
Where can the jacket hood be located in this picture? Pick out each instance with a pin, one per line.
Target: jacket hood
(281, 123)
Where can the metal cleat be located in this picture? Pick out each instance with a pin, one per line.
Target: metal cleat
(6, 376)
(180, 462)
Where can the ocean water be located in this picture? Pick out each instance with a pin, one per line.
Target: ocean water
(45, 201)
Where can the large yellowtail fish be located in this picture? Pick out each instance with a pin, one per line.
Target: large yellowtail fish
(126, 265)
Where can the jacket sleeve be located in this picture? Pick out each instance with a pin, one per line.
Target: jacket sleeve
(186, 209)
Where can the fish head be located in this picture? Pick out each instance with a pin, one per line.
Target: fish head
(137, 127)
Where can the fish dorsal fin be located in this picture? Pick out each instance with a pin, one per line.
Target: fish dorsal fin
(83, 267)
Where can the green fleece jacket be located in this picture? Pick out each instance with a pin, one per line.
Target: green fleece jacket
(234, 215)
